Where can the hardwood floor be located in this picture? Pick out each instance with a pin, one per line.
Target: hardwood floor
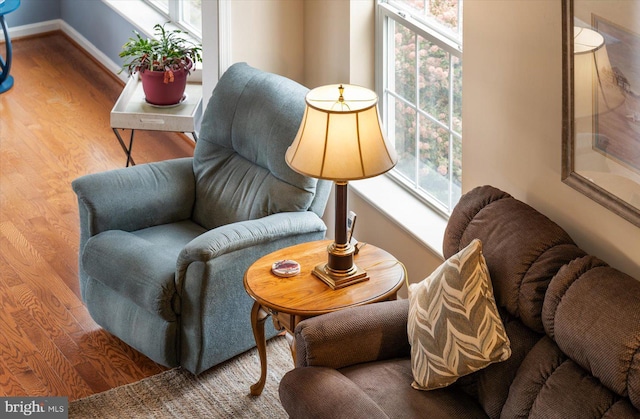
(54, 127)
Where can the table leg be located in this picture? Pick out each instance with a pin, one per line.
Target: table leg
(129, 159)
(258, 317)
(124, 147)
(6, 80)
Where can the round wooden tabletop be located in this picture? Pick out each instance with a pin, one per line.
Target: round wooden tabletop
(306, 295)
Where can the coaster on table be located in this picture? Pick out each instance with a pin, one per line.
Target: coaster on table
(285, 268)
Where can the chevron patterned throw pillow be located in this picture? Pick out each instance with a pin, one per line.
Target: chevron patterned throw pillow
(454, 326)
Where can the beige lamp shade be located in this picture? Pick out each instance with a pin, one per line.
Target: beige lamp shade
(595, 87)
(340, 137)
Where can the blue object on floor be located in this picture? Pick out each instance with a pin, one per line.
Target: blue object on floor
(6, 81)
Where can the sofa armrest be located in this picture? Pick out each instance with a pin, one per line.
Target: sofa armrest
(355, 335)
(316, 392)
(136, 197)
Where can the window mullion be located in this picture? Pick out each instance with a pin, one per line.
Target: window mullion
(451, 104)
(417, 105)
(388, 71)
(175, 10)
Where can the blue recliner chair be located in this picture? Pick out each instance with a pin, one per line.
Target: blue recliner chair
(164, 246)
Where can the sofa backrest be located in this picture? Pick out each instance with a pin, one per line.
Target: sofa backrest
(523, 248)
(250, 121)
(574, 322)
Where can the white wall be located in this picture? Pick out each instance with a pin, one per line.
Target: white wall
(269, 35)
(326, 43)
(314, 42)
(338, 46)
(512, 131)
(512, 108)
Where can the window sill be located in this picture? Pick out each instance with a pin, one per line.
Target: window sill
(142, 16)
(408, 212)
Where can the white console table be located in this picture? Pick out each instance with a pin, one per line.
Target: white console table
(132, 112)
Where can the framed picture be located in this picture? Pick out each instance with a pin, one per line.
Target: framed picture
(619, 129)
(601, 103)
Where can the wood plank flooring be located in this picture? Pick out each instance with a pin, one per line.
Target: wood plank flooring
(54, 127)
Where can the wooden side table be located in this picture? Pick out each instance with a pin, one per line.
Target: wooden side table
(291, 300)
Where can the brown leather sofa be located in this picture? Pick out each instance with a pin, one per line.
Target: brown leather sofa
(573, 323)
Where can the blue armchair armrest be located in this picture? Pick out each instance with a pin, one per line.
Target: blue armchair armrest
(136, 197)
(209, 282)
(240, 235)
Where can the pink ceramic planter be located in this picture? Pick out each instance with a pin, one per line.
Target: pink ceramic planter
(157, 92)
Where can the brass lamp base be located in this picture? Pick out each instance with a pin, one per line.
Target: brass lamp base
(337, 280)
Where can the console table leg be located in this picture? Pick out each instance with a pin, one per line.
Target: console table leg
(258, 317)
(124, 147)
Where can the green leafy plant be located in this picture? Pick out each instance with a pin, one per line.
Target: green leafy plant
(169, 51)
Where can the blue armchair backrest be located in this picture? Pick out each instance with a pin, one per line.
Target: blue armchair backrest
(251, 119)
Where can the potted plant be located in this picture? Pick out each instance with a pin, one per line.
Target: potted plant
(163, 63)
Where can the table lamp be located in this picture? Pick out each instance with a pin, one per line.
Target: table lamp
(340, 139)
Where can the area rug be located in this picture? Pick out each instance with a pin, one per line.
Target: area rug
(221, 392)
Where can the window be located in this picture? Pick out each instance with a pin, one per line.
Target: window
(185, 13)
(420, 75)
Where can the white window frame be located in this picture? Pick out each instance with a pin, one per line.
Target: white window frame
(175, 15)
(386, 14)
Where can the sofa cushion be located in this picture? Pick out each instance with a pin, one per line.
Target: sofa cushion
(490, 386)
(388, 383)
(523, 248)
(141, 266)
(549, 384)
(454, 326)
(592, 312)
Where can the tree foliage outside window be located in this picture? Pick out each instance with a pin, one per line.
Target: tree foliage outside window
(422, 95)
(446, 13)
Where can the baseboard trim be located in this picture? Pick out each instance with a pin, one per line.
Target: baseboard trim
(32, 29)
(40, 28)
